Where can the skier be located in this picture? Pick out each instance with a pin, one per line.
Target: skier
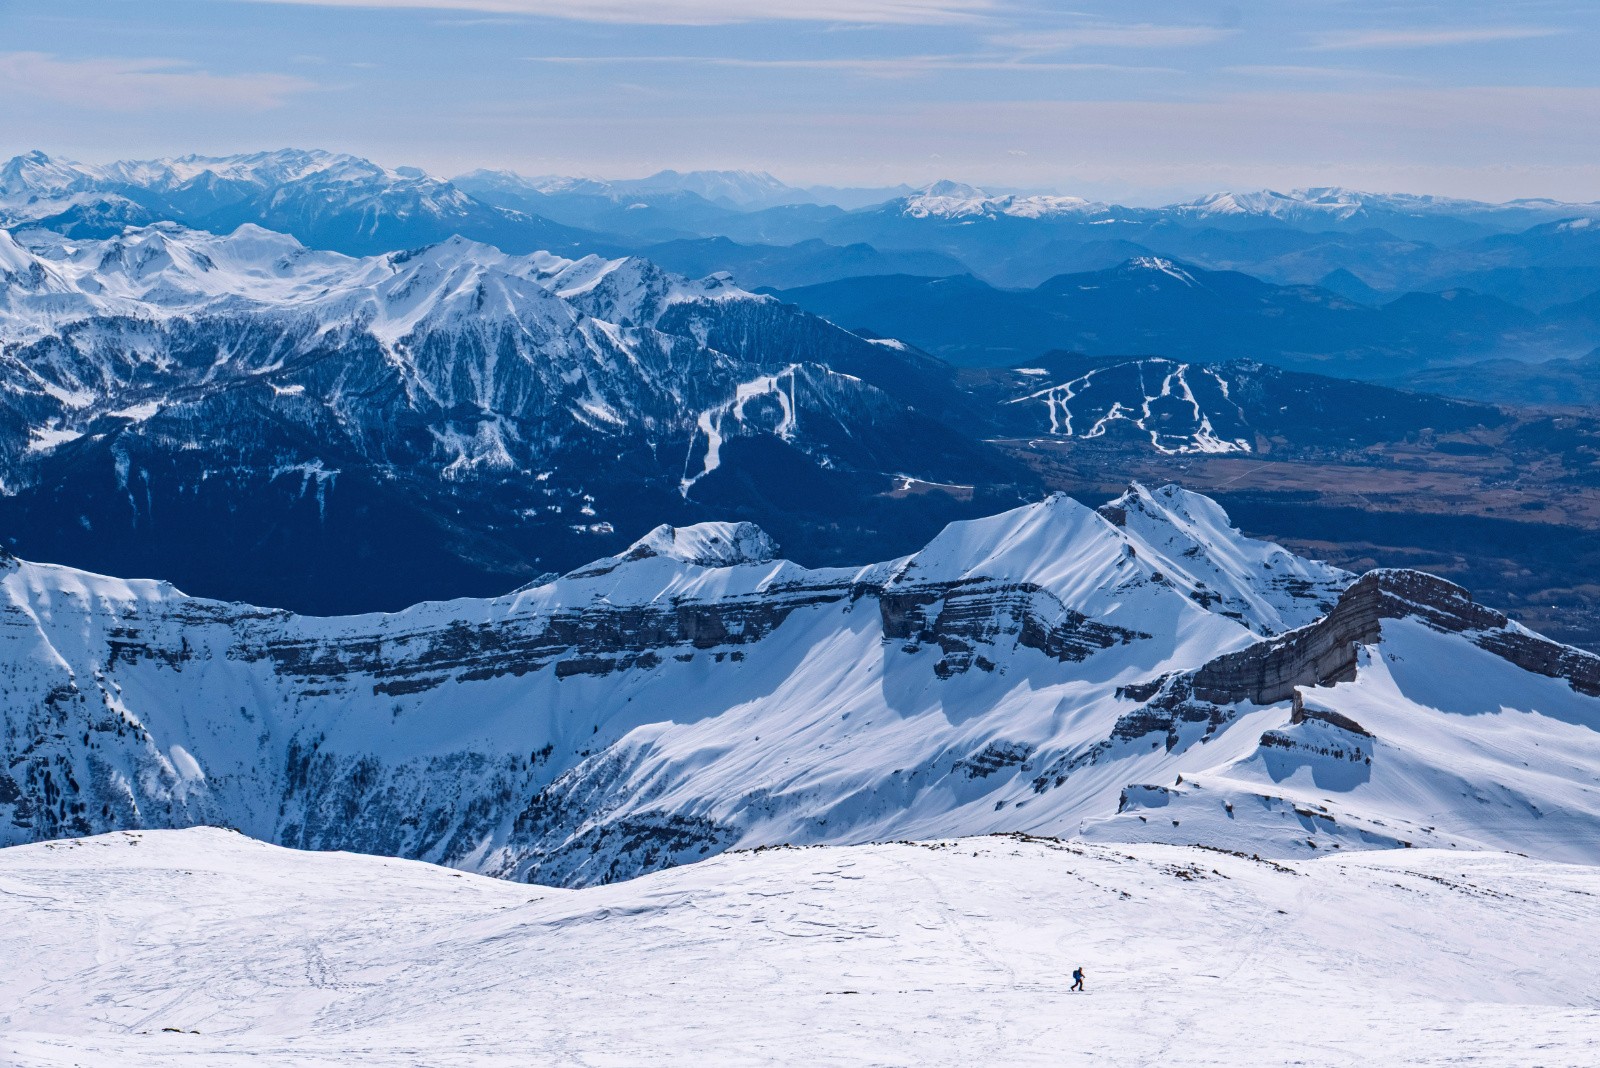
(1077, 978)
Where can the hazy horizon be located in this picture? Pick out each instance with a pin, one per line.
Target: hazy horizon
(1107, 192)
(1162, 102)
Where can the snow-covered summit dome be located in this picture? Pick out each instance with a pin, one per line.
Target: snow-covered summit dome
(707, 544)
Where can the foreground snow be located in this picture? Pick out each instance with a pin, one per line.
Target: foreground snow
(943, 953)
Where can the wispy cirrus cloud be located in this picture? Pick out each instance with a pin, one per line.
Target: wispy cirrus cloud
(1360, 40)
(140, 84)
(1312, 73)
(1113, 35)
(1009, 52)
(871, 66)
(699, 12)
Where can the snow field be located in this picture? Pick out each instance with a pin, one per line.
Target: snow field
(955, 952)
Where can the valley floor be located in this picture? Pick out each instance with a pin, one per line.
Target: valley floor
(203, 948)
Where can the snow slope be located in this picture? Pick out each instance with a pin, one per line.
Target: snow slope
(1411, 752)
(203, 947)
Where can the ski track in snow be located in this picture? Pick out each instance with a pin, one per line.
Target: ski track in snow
(709, 422)
(1201, 438)
(943, 953)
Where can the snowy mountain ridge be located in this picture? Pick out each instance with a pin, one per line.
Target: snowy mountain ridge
(1339, 204)
(166, 270)
(737, 189)
(1138, 672)
(36, 174)
(955, 200)
(329, 200)
(439, 318)
(307, 186)
(200, 383)
(1321, 205)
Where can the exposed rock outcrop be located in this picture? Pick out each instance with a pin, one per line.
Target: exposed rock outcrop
(1328, 651)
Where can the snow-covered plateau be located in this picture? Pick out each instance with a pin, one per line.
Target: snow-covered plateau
(202, 947)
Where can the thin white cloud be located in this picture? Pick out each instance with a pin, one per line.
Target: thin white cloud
(1312, 73)
(872, 66)
(699, 12)
(1361, 40)
(136, 84)
(1110, 35)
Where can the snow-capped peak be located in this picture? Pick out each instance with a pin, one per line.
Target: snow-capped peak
(706, 545)
(955, 200)
(946, 187)
(737, 188)
(1264, 202)
(38, 174)
(628, 290)
(1159, 265)
(1194, 543)
(1127, 559)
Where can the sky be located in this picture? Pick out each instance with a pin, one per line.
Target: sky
(1134, 101)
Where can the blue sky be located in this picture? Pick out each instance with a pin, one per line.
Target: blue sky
(1137, 101)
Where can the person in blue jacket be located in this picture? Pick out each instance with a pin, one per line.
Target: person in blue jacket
(1077, 978)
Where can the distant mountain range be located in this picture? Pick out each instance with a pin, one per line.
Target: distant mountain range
(327, 200)
(452, 418)
(1152, 305)
(736, 190)
(1325, 208)
(1369, 247)
(543, 559)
